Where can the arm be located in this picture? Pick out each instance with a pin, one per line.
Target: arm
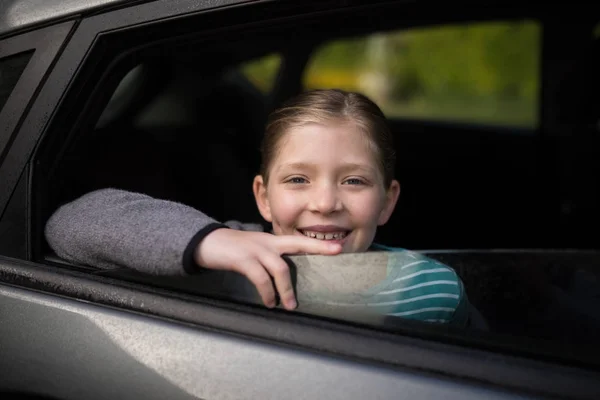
(112, 228)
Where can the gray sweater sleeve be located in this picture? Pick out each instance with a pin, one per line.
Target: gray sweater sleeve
(112, 228)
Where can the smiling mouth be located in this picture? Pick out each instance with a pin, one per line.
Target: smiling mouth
(340, 235)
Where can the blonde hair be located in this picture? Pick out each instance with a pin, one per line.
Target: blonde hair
(327, 105)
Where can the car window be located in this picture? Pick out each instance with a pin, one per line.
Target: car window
(477, 73)
(262, 71)
(193, 132)
(11, 69)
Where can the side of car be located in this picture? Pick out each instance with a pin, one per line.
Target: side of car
(69, 331)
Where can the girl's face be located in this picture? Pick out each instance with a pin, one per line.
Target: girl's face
(325, 183)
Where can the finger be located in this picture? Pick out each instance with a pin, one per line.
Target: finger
(280, 272)
(299, 244)
(261, 279)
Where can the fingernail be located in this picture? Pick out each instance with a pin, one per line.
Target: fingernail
(292, 304)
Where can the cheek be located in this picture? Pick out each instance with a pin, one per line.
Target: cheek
(366, 207)
(285, 207)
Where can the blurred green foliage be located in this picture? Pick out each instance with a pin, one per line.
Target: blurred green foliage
(483, 72)
(263, 71)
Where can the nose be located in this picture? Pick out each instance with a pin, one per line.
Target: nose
(325, 199)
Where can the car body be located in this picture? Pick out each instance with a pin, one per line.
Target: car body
(71, 331)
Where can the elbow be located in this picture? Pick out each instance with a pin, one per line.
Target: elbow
(54, 231)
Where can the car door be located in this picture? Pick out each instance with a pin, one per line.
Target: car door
(71, 331)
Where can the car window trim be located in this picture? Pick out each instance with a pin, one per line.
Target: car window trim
(45, 44)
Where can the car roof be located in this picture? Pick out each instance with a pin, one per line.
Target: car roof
(20, 14)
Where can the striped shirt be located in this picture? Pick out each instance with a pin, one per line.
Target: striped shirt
(418, 287)
(415, 287)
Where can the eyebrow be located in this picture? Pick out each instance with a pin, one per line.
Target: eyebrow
(345, 168)
(298, 165)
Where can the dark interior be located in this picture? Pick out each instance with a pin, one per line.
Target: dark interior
(463, 185)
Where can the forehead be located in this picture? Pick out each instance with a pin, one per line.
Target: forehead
(326, 140)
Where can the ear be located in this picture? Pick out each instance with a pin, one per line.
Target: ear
(391, 198)
(260, 196)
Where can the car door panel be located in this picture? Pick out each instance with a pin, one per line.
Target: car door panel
(93, 352)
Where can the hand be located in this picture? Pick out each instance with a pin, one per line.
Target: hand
(257, 256)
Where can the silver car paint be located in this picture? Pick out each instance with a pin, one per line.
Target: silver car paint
(132, 356)
(17, 14)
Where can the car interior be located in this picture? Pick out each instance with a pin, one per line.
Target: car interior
(502, 205)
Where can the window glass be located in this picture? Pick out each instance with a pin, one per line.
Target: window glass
(11, 69)
(262, 72)
(549, 297)
(380, 287)
(485, 73)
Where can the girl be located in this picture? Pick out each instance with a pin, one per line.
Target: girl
(326, 183)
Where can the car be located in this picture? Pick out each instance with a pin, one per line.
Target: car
(495, 108)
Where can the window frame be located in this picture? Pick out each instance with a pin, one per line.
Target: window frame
(45, 44)
(335, 339)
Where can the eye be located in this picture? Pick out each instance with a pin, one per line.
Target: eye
(296, 180)
(354, 181)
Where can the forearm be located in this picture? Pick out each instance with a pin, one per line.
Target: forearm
(112, 228)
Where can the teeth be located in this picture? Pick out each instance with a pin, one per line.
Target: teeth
(325, 236)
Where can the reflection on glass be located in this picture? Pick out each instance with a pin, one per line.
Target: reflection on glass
(539, 294)
(486, 73)
(378, 285)
(11, 68)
